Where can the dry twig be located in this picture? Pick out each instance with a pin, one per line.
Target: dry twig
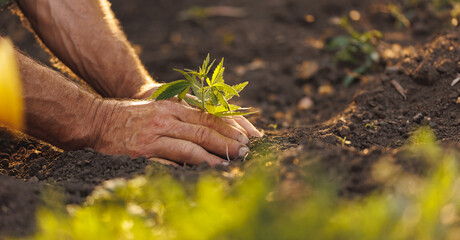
(456, 80)
(399, 88)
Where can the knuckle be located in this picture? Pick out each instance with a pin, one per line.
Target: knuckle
(189, 150)
(201, 135)
(208, 119)
(159, 122)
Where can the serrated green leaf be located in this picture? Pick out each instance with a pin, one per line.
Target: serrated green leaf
(228, 113)
(210, 66)
(207, 94)
(197, 92)
(192, 78)
(236, 107)
(194, 102)
(214, 99)
(217, 76)
(173, 89)
(210, 108)
(220, 108)
(159, 90)
(205, 64)
(226, 89)
(239, 87)
(192, 72)
(223, 101)
(186, 75)
(183, 93)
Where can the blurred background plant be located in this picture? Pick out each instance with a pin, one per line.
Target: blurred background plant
(251, 206)
(358, 49)
(441, 6)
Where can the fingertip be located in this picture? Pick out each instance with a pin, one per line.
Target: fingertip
(243, 139)
(243, 151)
(250, 128)
(225, 163)
(215, 161)
(257, 133)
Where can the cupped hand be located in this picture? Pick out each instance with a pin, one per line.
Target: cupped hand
(239, 122)
(170, 130)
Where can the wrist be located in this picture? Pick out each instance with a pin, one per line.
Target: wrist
(85, 128)
(101, 113)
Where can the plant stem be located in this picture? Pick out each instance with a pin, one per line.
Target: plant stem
(202, 93)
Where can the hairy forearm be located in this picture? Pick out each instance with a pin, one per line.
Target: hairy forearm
(85, 36)
(57, 110)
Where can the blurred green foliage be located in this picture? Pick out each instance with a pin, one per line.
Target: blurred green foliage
(440, 5)
(252, 205)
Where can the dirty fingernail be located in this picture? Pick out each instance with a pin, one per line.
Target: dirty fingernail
(243, 139)
(225, 163)
(243, 151)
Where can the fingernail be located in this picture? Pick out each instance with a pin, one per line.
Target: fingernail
(243, 139)
(259, 133)
(225, 163)
(243, 151)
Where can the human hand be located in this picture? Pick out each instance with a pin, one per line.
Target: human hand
(169, 130)
(239, 122)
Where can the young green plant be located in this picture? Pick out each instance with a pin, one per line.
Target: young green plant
(211, 93)
(357, 48)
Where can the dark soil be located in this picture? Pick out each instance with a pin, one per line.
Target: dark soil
(347, 129)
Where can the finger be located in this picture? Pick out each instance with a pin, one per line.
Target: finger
(207, 138)
(234, 124)
(164, 161)
(197, 117)
(179, 150)
(243, 122)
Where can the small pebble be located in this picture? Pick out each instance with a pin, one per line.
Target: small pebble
(305, 103)
(326, 90)
(307, 69)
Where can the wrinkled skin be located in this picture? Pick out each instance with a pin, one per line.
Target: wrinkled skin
(168, 129)
(67, 116)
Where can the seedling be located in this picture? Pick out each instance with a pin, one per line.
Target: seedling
(397, 13)
(212, 94)
(371, 126)
(356, 48)
(440, 5)
(343, 141)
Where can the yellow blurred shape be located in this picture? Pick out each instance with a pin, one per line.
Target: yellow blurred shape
(11, 103)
